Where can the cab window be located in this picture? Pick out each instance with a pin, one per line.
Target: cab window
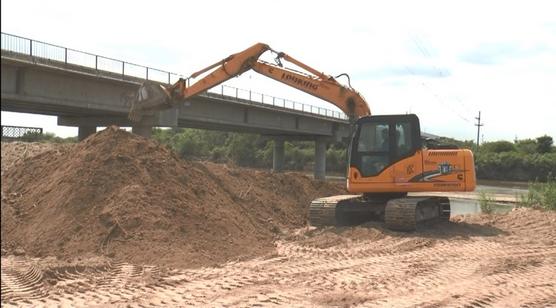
(374, 147)
(404, 145)
(373, 137)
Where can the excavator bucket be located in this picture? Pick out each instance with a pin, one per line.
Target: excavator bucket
(149, 97)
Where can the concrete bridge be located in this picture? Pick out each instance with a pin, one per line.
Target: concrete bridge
(87, 91)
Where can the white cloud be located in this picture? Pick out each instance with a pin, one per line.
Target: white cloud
(361, 38)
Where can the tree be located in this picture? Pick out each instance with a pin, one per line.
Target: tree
(241, 148)
(467, 144)
(544, 144)
(498, 147)
(526, 146)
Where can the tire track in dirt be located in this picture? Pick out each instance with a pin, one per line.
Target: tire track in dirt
(397, 270)
(21, 281)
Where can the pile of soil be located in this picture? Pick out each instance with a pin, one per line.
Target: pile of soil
(13, 152)
(132, 199)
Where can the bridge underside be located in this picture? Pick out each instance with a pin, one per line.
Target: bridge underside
(87, 100)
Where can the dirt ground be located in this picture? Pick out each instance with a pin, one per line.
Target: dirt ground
(480, 261)
(504, 260)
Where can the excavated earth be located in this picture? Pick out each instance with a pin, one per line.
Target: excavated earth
(118, 220)
(122, 196)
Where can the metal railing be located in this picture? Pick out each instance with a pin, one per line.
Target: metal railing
(260, 98)
(41, 50)
(12, 132)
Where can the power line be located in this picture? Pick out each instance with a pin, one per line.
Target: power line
(437, 96)
(425, 52)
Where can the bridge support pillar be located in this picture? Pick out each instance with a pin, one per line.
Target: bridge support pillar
(320, 159)
(278, 155)
(85, 131)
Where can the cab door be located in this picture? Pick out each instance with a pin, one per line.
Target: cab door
(406, 151)
(372, 151)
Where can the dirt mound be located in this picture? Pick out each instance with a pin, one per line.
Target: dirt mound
(14, 152)
(130, 198)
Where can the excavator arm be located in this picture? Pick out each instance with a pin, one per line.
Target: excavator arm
(151, 96)
(328, 89)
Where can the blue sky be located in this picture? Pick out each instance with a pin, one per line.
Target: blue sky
(442, 60)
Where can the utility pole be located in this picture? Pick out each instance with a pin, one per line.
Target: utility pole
(479, 124)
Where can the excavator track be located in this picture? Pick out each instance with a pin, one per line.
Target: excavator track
(401, 214)
(322, 211)
(407, 214)
(322, 214)
(345, 210)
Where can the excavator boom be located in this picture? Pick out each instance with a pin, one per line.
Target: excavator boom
(152, 96)
(348, 100)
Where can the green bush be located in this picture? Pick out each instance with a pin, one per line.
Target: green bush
(241, 149)
(541, 194)
(467, 144)
(498, 147)
(218, 154)
(265, 154)
(297, 155)
(524, 160)
(486, 202)
(544, 144)
(515, 166)
(46, 137)
(336, 159)
(526, 146)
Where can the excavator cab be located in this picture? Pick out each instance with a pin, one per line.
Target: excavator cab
(387, 156)
(380, 141)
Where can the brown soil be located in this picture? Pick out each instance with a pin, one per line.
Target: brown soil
(129, 198)
(474, 261)
(116, 206)
(14, 152)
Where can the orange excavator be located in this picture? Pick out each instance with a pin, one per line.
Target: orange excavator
(388, 158)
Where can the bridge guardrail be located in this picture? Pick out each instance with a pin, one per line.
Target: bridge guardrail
(39, 49)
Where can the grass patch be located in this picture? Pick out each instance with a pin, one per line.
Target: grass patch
(541, 194)
(486, 202)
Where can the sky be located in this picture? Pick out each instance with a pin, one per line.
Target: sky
(442, 60)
